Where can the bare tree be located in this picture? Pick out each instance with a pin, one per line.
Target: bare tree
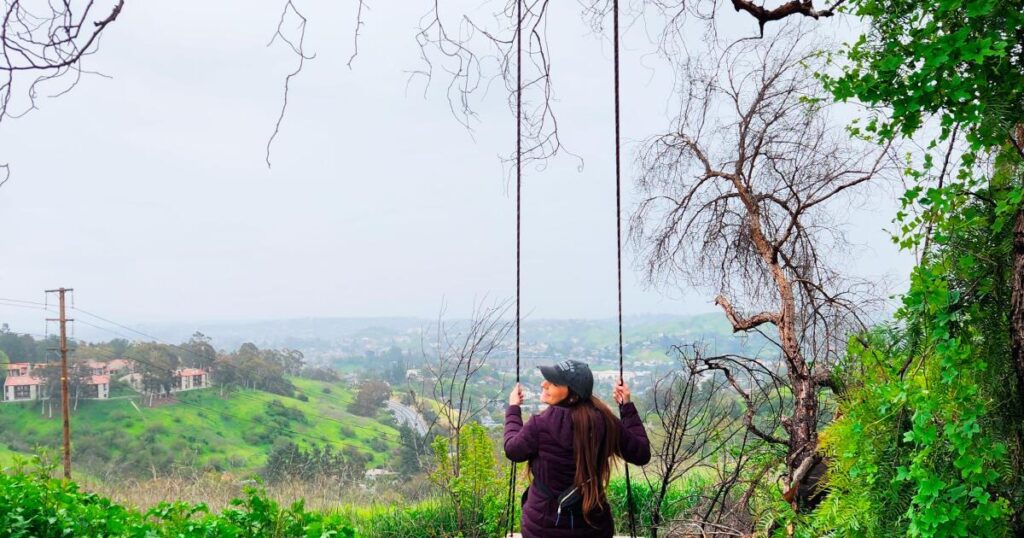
(694, 423)
(47, 40)
(44, 46)
(741, 197)
(468, 54)
(463, 348)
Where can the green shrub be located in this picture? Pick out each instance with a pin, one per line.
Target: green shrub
(429, 519)
(472, 479)
(680, 497)
(35, 505)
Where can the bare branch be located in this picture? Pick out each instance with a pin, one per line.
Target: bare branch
(355, 33)
(741, 324)
(793, 7)
(297, 46)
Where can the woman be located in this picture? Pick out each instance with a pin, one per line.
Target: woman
(570, 447)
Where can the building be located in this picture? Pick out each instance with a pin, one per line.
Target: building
(96, 387)
(375, 474)
(183, 379)
(134, 380)
(190, 378)
(22, 388)
(119, 365)
(612, 376)
(94, 368)
(18, 369)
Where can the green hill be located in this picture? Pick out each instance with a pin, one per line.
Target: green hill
(200, 430)
(6, 455)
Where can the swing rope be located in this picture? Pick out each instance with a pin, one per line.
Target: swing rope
(519, 204)
(618, 239)
(511, 511)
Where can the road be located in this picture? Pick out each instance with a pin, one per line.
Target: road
(407, 415)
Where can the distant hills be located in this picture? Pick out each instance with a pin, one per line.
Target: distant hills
(344, 335)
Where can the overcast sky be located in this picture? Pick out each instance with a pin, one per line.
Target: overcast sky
(148, 193)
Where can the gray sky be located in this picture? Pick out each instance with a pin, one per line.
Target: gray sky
(148, 192)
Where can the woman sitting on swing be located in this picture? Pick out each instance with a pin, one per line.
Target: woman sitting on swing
(570, 447)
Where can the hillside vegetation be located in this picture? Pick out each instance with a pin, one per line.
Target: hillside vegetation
(200, 430)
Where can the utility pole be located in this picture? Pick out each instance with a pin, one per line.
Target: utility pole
(63, 319)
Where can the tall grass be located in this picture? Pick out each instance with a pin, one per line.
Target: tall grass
(681, 497)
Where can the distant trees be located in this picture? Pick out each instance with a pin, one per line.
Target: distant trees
(23, 347)
(320, 374)
(289, 461)
(252, 368)
(412, 447)
(371, 397)
(200, 352)
(395, 363)
(157, 364)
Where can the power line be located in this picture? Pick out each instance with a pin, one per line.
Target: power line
(7, 299)
(5, 302)
(33, 335)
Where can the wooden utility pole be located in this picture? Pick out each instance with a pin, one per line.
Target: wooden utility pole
(63, 319)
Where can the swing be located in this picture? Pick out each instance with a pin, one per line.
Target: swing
(511, 499)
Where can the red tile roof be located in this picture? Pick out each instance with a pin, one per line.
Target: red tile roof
(21, 381)
(98, 380)
(191, 371)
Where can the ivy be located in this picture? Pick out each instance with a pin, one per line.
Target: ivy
(920, 446)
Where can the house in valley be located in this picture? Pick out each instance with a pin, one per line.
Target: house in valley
(96, 387)
(22, 388)
(26, 381)
(18, 369)
(120, 366)
(190, 378)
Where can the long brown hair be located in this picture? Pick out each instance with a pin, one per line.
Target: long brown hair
(593, 456)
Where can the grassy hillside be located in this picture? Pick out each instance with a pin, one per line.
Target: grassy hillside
(200, 430)
(6, 456)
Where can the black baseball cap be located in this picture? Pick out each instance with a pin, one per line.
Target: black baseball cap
(573, 374)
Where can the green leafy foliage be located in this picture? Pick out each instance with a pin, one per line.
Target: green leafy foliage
(682, 497)
(925, 439)
(921, 444)
(468, 472)
(35, 505)
(370, 398)
(960, 59)
(289, 461)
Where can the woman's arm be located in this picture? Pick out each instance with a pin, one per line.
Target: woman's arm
(635, 446)
(520, 441)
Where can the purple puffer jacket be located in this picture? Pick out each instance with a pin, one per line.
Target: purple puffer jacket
(546, 441)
